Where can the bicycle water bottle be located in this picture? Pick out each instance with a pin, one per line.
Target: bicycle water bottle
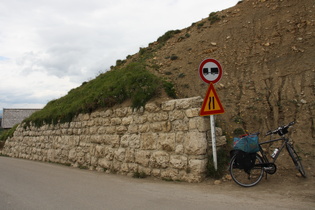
(274, 153)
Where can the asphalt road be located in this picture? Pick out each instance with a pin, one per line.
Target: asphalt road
(34, 185)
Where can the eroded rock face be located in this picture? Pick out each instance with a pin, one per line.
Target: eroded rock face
(167, 140)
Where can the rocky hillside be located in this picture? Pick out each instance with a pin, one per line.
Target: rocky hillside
(266, 49)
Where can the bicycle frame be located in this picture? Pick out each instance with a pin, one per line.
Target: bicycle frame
(263, 154)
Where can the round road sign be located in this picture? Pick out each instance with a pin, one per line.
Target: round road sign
(210, 71)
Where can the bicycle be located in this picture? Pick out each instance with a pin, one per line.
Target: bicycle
(261, 163)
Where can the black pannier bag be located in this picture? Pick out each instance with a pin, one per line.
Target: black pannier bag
(244, 160)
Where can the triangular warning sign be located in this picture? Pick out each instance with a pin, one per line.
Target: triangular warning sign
(211, 104)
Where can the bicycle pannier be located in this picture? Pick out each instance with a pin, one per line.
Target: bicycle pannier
(247, 143)
(244, 160)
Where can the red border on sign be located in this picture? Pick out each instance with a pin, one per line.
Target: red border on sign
(219, 111)
(202, 65)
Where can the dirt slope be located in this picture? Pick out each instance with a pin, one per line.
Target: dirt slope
(266, 49)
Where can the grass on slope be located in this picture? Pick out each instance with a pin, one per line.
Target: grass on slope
(113, 87)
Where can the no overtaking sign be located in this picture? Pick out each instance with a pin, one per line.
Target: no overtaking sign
(210, 71)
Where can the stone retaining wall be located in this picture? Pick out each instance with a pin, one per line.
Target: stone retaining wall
(168, 140)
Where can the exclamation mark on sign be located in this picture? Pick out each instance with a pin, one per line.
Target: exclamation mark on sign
(211, 102)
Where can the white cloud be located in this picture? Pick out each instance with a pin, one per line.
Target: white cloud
(49, 47)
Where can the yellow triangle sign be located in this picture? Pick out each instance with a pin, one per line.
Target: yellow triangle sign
(211, 104)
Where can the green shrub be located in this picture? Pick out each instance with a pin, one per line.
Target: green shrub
(174, 57)
(200, 25)
(8, 133)
(213, 17)
(181, 75)
(139, 175)
(167, 36)
(223, 158)
(239, 132)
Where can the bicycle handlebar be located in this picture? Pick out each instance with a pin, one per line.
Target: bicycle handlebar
(281, 130)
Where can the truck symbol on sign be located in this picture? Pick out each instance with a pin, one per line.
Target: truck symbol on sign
(212, 71)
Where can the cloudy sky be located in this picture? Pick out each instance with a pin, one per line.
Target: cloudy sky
(48, 47)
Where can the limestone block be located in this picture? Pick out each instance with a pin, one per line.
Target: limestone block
(166, 141)
(148, 141)
(72, 154)
(130, 156)
(121, 129)
(168, 105)
(124, 141)
(113, 140)
(94, 161)
(170, 174)
(152, 107)
(74, 140)
(158, 117)
(101, 130)
(79, 154)
(143, 157)
(197, 166)
(161, 126)
(87, 158)
(85, 117)
(146, 171)
(110, 129)
(182, 104)
(193, 177)
(124, 168)
(133, 167)
(203, 123)
(178, 161)
(115, 121)
(107, 113)
(140, 119)
(176, 115)
(127, 120)
(196, 144)
(192, 112)
(51, 155)
(180, 125)
(193, 123)
(93, 130)
(160, 159)
(156, 172)
(80, 160)
(91, 123)
(104, 163)
(109, 153)
(120, 154)
(121, 112)
(133, 128)
(218, 131)
(94, 139)
(99, 151)
(95, 114)
(105, 121)
(134, 141)
(179, 149)
(181, 137)
(220, 140)
(144, 128)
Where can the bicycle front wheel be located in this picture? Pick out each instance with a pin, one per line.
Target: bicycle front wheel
(249, 178)
(296, 160)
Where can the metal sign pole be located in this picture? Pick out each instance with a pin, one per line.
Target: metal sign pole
(214, 147)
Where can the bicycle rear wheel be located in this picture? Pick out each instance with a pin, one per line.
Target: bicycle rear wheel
(296, 160)
(246, 179)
